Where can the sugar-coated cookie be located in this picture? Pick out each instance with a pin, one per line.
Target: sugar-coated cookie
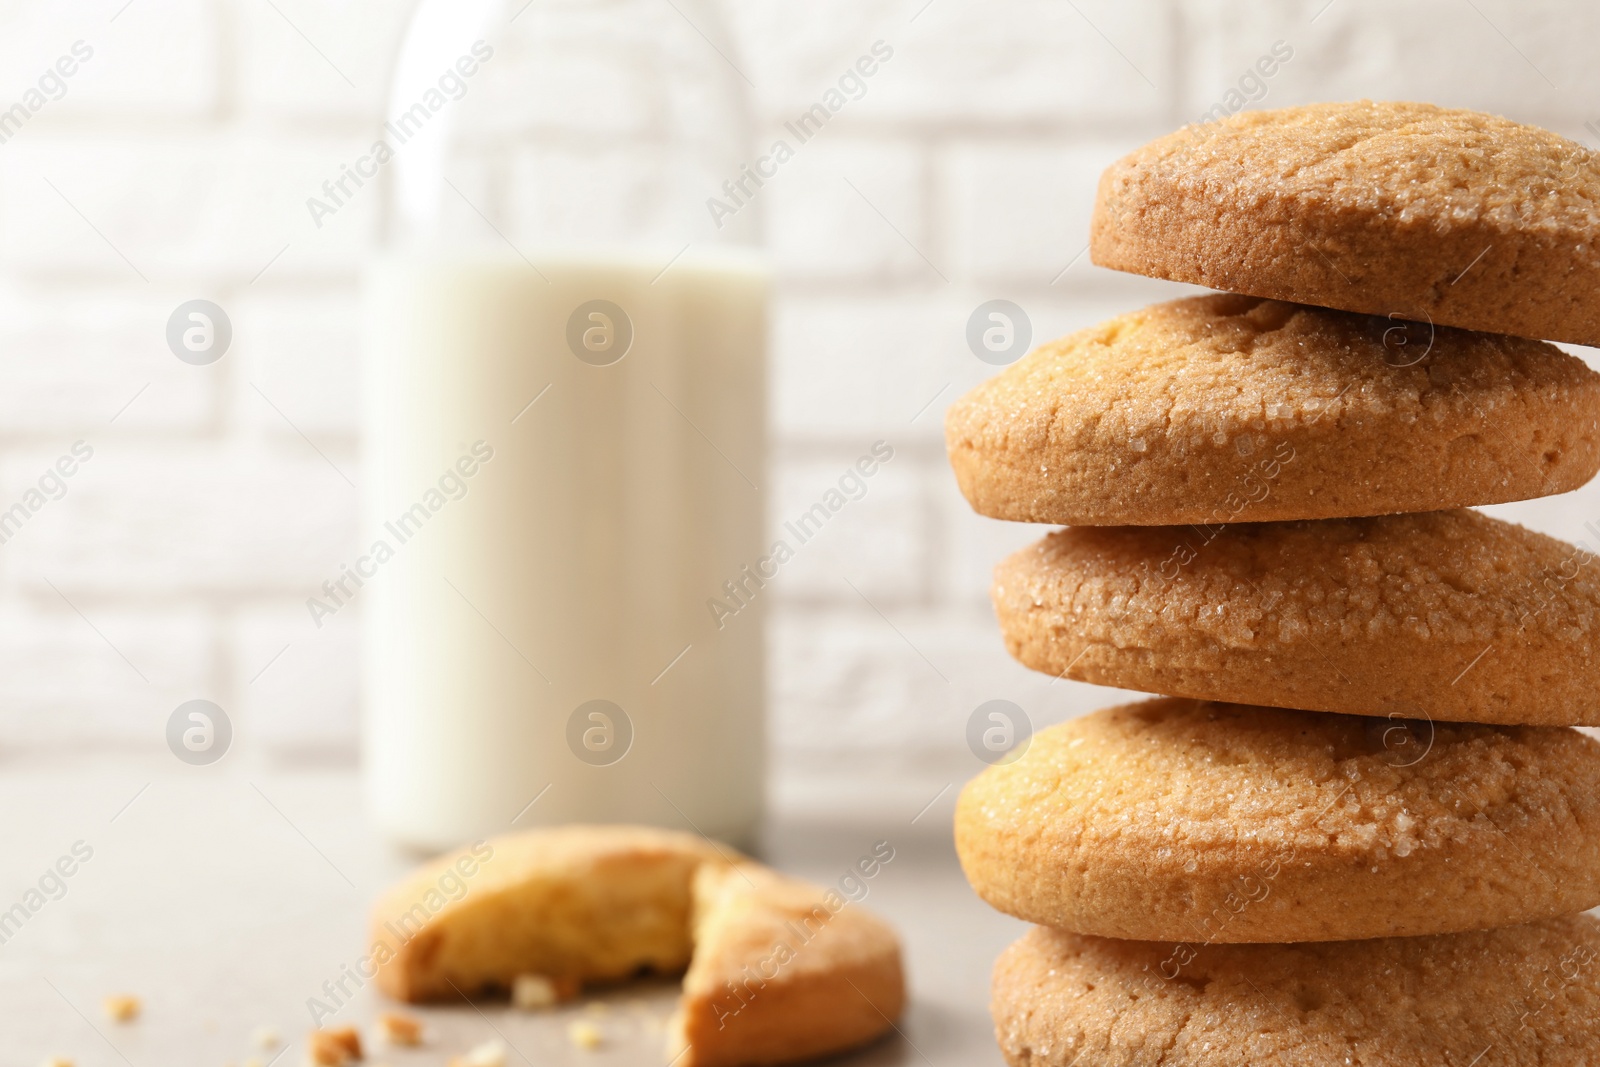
(1520, 996)
(779, 970)
(1448, 615)
(1185, 820)
(1232, 408)
(1449, 216)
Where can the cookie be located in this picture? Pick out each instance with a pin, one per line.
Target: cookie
(778, 970)
(782, 971)
(1184, 820)
(575, 904)
(1231, 408)
(1521, 996)
(1438, 215)
(1446, 615)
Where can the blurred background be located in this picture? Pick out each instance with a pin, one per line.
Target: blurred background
(176, 163)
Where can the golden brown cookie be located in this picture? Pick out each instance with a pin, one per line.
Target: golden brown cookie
(778, 970)
(783, 971)
(1446, 216)
(1449, 615)
(1232, 408)
(1521, 996)
(575, 904)
(1184, 820)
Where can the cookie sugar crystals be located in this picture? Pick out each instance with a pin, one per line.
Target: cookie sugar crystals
(1358, 828)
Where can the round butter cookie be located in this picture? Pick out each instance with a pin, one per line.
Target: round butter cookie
(1185, 820)
(1232, 408)
(778, 970)
(1446, 615)
(1445, 216)
(1520, 996)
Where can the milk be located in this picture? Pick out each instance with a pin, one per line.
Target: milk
(556, 524)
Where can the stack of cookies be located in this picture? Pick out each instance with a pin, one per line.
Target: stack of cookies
(1359, 827)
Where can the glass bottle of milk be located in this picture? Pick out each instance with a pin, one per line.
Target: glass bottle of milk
(564, 427)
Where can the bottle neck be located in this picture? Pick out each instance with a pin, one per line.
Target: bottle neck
(535, 124)
(438, 42)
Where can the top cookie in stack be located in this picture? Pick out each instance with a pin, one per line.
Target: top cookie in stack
(1445, 216)
(1263, 505)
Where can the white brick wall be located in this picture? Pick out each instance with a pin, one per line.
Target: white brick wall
(181, 157)
(160, 61)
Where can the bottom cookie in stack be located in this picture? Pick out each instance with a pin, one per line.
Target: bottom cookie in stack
(1519, 995)
(1172, 849)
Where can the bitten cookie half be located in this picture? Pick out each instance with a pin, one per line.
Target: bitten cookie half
(1528, 995)
(779, 970)
(1453, 217)
(1183, 820)
(1447, 615)
(1231, 408)
(574, 904)
(781, 973)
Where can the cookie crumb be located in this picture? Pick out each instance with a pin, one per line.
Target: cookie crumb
(397, 1029)
(488, 1054)
(121, 1007)
(56, 1061)
(584, 1034)
(531, 992)
(333, 1048)
(264, 1037)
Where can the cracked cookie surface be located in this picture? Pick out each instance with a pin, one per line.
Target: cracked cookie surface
(1454, 217)
(1530, 993)
(1185, 820)
(1448, 615)
(1231, 408)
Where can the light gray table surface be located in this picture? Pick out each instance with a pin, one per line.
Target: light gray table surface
(225, 900)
